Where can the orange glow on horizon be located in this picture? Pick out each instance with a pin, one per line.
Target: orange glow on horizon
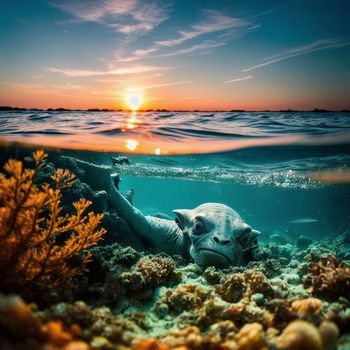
(171, 98)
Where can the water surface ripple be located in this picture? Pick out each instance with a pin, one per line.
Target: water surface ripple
(213, 146)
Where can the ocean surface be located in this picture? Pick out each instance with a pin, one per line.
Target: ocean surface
(285, 172)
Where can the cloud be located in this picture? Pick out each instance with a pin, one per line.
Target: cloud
(124, 16)
(318, 45)
(138, 55)
(157, 86)
(96, 10)
(213, 21)
(122, 81)
(209, 44)
(144, 54)
(119, 71)
(147, 17)
(41, 87)
(239, 79)
(109, 81)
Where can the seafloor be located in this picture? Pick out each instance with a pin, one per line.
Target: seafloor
(295, 294)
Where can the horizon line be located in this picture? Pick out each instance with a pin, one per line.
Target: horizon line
(52, 109)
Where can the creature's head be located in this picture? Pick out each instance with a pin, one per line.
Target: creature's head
(219, 236)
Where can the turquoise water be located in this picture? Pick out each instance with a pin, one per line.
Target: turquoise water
(269, 209)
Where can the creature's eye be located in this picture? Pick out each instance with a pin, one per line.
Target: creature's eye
(199, 227)
(243, 239)
(179, 223)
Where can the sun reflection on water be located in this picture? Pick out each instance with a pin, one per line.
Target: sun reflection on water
(133, 121)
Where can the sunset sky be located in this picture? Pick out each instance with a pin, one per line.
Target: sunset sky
(185, 54)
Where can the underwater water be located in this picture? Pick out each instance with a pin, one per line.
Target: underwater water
(287, 175)
(281, 171)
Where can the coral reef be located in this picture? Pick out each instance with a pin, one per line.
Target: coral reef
(300, 335)
(236, 286)
(76, 326)
(120, 276)
(63, 326)
(329, 278)
(303, 242)
(191, 304)
(232, 288)
(150, 271)
(116, 227)
(307, 307)
(16, 315)
(31, 219)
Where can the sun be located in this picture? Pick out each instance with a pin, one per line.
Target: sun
(134, 101)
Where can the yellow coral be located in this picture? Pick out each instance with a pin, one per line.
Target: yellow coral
(251, 337)
(150, 344)
(309, 306)
(30, 219)
(300, 335)
(329, 333)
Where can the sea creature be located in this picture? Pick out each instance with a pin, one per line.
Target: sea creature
(212, 234)
(303, 221)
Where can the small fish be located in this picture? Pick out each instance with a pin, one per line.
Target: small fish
(303, 221)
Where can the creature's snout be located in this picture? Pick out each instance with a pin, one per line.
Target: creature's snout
(221, 240)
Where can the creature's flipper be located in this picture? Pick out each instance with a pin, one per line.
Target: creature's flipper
(100, 178)
(134, 217)
(162, 216)
(116, 180)
(129, 195)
